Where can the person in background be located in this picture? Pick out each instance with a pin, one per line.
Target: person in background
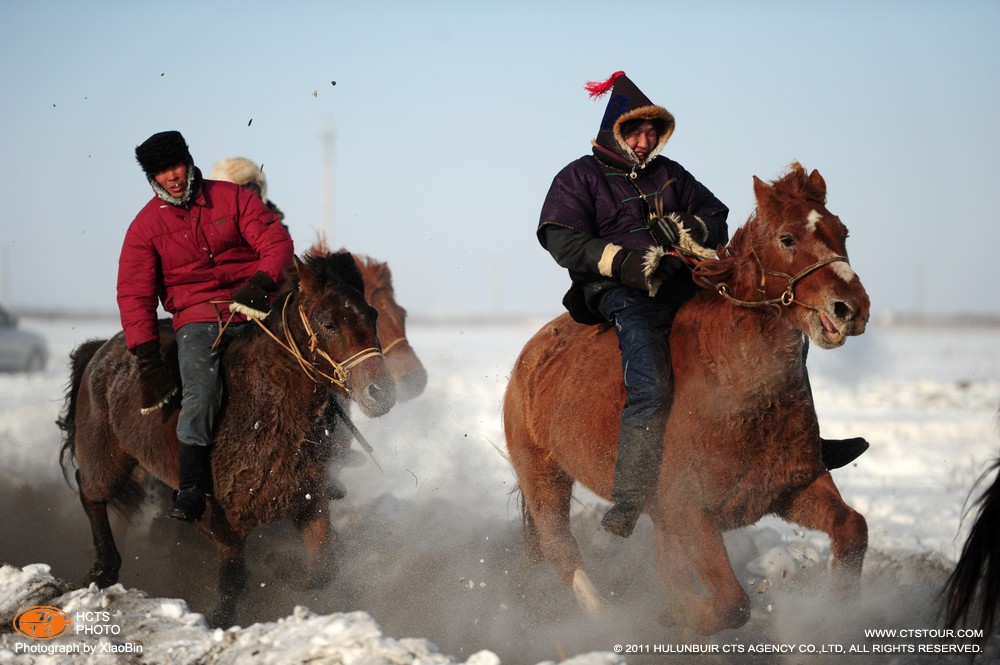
(196, 241)
(621, 220)
(246, 173)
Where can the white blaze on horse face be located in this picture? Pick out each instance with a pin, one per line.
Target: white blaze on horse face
(842, 269)
(812, 220)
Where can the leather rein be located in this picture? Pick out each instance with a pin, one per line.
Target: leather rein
(702, 274)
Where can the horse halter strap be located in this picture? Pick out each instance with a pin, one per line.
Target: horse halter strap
(391, 345)
(340, 369)
(786, 298)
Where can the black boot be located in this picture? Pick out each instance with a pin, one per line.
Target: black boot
(637, 468)
(841, 452)
(195, 483)
(834, 452)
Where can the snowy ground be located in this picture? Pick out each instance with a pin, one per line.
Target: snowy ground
(431, 544)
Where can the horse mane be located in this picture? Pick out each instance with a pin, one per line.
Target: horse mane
(793, 187)
(336, 269)
(376, 273)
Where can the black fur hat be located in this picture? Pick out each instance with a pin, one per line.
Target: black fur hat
(162, 151)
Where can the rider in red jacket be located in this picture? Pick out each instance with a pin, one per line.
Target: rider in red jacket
(196, 241)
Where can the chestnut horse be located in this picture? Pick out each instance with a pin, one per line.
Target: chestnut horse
(402, 360)
(742, 441)
(321, 330)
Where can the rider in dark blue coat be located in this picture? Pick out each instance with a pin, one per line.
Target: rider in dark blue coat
(622, 220)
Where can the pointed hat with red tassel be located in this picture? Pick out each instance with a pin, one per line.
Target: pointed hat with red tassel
(627, 103)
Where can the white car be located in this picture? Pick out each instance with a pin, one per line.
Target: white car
(20, 350)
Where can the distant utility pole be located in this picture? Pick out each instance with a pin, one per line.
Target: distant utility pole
(918, 287)
(328, 186)
(5, 274)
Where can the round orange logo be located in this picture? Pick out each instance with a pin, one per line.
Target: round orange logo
(42, 622)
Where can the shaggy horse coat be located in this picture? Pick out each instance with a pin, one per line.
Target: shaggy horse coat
(263, 466)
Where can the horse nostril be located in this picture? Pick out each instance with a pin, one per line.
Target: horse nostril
(842, 310)
(382, 394)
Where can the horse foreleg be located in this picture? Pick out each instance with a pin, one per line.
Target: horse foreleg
(821, 507)
(319, 539)
(690, 550)
(104, 572)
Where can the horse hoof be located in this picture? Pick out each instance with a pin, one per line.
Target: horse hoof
(586, 594)
(320, 579)
(101, 577)
(666, 618)
(322, 572)
(220, 617)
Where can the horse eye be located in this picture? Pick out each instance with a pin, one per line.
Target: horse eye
(787, 241)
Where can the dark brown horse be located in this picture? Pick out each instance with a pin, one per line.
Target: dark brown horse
(264, 468)
(972, 591)
(742, 441)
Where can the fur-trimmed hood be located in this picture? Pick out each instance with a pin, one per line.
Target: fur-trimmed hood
(241, 171)
(628, 103)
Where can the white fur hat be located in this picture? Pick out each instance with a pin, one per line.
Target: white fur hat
(242, 171)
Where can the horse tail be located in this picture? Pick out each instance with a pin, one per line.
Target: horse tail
(532, 539)
(977, 574)
(79, 358)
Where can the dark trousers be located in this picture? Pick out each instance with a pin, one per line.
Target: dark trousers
(201, 380)
(643, 325)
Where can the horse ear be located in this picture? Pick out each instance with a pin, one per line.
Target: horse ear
(307, 278)
(762, 191)
(818, 185)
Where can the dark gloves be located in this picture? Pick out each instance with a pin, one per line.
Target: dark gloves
(666, 230)
(251, 299)
(628, 266)
(669, 264)
(157, 383)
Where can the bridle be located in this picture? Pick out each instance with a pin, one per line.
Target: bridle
(341, 369)
(386, 348)
(393, 344)
(702, 274)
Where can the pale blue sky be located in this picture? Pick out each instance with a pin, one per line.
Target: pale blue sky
(452, 117)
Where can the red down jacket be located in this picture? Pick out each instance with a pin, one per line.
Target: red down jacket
(188, 256)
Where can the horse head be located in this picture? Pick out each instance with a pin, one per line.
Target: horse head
(792, 254)
(339, 328)
(404, 365)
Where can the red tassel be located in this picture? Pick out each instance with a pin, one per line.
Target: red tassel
(598, 88)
